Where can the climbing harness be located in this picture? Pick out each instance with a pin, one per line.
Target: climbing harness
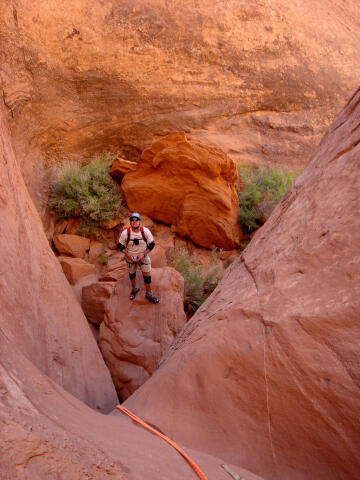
(193, 465)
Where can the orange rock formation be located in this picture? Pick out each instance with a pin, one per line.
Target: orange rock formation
(189, 185)
(261, 80)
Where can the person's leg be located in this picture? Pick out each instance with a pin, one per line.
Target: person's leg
(133, 280)
(146, 271)
(147, 281)
(132, 276)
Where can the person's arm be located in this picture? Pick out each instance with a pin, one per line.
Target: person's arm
(147, 251)
(123, 248)
(150, 243)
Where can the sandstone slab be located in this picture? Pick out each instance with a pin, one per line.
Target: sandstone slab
(72, 245)
(75, 268)
(135, 334)
(46, 433)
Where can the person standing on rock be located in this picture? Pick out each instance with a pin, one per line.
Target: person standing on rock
(136, 242)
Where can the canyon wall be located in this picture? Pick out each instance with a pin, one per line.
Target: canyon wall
(262, 80)
(51, 370)
(39, 313)
(266, 373)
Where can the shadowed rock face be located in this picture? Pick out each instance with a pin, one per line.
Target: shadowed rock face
(47, 433)
(266, 374)
(259, 79)
(135, 334)
(39, 313)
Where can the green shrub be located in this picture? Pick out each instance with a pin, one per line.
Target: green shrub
(103, 259)
(198, 285)
(264, 187)
(87, 192)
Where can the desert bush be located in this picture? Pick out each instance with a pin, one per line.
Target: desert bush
(87, 192)
(263, 189)
(103, 259)
(198, 285)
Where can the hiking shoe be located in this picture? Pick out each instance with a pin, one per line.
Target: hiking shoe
(133, 293)
(150, 296)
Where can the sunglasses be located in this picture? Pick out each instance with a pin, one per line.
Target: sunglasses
(134, 219)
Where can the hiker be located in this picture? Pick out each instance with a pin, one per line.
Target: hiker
(136, 242)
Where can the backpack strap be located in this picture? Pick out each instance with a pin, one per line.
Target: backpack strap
(143, 234)
(128, 230)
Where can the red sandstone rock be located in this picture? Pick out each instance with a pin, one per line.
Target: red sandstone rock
(198, 195)
(93, 300)
(95, 249)
(136, 333)
(111, 223)
(266, 374)
(115, 269)
(120, 166)
(39, 314)
(72, 245)
(46, 434)
(75, 268)
(81, 283)
(67, 225)
(158, 257)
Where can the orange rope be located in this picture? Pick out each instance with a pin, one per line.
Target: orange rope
(193, 465)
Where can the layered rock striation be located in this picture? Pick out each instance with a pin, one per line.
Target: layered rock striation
(266, 374)
(262, 80)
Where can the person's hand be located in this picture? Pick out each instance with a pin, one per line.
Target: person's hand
(130, 257)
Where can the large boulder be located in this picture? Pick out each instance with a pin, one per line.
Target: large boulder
(198, 195)
(72, 245)
(39, 312)
(135, 334)
(115, 269)
(267, 374)
(260, 79)
(75, 268)
(93, 300)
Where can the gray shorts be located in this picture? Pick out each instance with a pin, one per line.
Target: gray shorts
(144, 265)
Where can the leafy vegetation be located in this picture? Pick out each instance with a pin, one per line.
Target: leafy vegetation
(103, 259)
(87, 192)
(263, 189)
(198, 284)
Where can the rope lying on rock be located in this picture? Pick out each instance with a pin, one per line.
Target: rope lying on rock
(193, 465)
